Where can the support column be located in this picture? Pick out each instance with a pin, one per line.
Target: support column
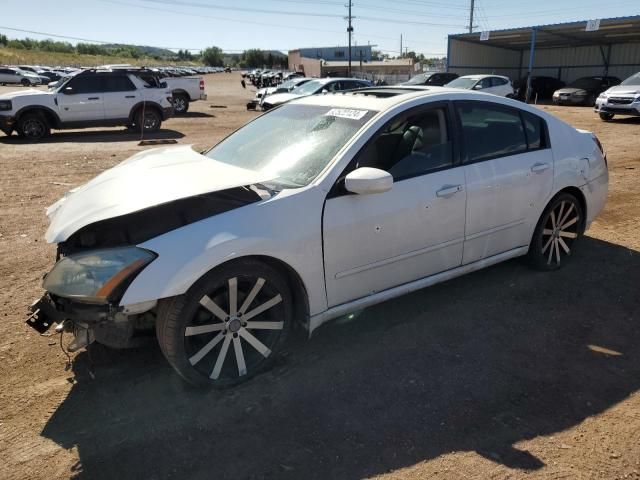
(532, 54)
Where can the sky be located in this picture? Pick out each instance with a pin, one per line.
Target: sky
(288, 24)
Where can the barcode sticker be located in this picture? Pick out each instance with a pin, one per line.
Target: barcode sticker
(346, 113)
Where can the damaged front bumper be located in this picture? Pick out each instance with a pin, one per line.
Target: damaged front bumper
(108, 324)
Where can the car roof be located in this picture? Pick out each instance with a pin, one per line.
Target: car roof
(481, 76)
(378, 98)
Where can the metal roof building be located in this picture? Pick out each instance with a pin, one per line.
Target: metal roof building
(565, 51)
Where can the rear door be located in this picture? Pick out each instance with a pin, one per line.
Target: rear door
(508, 172)
(120, 95)
(82, 99)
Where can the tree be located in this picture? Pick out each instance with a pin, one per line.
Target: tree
(212, 56)
(252, 58)
(3, 39)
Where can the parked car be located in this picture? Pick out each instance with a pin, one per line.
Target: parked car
(324, 206)
(10, 75)
(284, 87)
(93, 98)
(623, 99)
(542, 88)
(584, 91)
(319, 85)
(436, 79)
(494, 84)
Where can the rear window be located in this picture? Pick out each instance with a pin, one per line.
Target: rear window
(534, 130)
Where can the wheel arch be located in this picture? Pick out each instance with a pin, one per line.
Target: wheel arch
(51, 116)
(180, 91)
(579, 195)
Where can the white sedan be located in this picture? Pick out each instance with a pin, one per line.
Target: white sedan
(319, 208)
(495, 84)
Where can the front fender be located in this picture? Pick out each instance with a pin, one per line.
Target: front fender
(286, 228)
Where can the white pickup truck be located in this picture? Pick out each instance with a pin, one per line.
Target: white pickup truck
(92, 98)
(185, 90)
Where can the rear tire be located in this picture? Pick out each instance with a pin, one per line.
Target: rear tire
(557, 233)
(180, 103)
(228, 326)
(151, 121)
(33, 126)
(606, 117)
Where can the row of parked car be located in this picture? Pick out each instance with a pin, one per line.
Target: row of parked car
(609, 95)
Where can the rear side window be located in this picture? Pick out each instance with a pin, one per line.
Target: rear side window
(118, 84)
(534, 130)
(491, 131)
(496, 82)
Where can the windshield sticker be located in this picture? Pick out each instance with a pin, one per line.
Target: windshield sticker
(346, 113)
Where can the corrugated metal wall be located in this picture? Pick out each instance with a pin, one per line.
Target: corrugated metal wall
(567, 63)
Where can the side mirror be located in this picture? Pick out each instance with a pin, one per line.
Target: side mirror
(324, 90)
(68, 91)
(477, 86)
(367, 180)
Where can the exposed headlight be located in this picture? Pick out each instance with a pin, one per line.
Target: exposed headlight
(5, 105)
(95, 275)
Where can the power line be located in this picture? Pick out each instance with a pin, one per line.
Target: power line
(243, 9)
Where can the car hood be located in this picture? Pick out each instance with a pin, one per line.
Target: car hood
(570, 90)
(279, 98)
(23, 93)
(147, 179)
(624, 90)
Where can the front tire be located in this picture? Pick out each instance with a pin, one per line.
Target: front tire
(25, 82)
(244, 307)
(557, 233)
(33, 126)
(607, 117)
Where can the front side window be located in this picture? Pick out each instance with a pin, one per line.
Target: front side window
(411, 146)
(491, 131)
(86, 84)
(291, 144)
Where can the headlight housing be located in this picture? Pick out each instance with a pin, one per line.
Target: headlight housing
(95, 276)
(6, 105)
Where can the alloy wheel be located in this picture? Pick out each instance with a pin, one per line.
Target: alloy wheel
(150, 121)
(33, 128)
(179, 104)
(560, 232)
(246, 312)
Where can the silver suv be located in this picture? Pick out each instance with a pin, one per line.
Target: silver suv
(12, 75)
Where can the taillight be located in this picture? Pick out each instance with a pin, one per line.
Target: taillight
(604, 155)
(201, 84)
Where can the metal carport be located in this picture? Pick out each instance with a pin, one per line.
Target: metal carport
(567, 51)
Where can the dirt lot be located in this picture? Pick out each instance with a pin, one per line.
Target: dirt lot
(505, 373)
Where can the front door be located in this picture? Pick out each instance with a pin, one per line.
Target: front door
(508, 172)
(81, 99)
(378, 241)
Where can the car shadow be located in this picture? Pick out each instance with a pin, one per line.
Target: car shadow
(476, 364)
(96, 136)
(195, 115)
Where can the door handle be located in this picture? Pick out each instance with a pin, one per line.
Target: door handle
(93, 98)
(540, 167)
(448, 190)
(130, 96)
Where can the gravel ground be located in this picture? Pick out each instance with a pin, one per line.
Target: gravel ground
(504, 373)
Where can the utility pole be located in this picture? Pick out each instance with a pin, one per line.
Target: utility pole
(471, 17)
(349, 32)
(400, 45)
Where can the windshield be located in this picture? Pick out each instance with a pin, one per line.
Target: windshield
(462, 82)
(62, 82)
(309, 88)
(285, 86)
(586, 83)
(632, 80)
(293, 143)
(419, 79)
